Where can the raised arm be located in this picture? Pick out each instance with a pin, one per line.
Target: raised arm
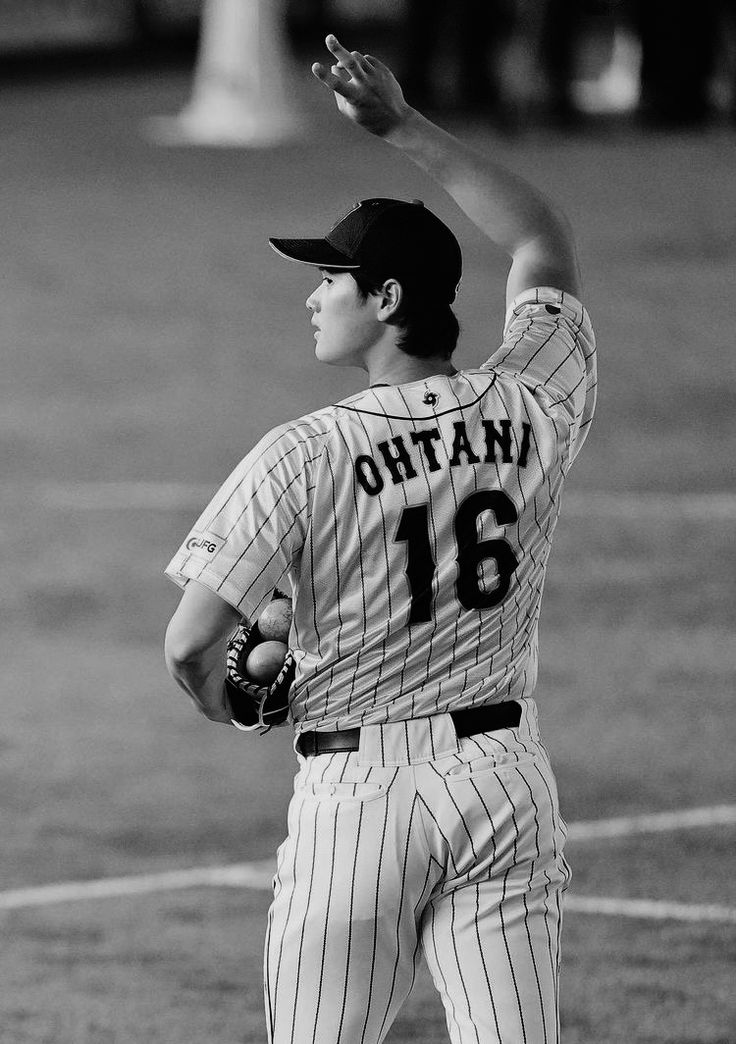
(504, 206)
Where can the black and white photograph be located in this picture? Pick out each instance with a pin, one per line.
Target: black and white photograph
(369, 583)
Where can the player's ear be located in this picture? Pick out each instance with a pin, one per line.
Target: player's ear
(390, 297)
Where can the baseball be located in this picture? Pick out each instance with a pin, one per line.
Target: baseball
(275, 620)
(265, 662)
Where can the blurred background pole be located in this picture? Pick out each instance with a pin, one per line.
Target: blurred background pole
(240, 94)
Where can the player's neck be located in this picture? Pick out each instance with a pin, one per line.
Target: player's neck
(399, 368)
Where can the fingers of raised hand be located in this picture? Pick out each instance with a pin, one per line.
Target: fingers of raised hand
(341, 71)
(374, 63)
(360, 65)
(332, 80)
(335, 47)
(353, 62)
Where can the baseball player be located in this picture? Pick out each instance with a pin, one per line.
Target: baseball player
(411, 525)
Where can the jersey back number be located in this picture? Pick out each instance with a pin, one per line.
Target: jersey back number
(471, 553)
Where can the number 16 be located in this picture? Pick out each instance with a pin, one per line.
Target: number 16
(421, 567)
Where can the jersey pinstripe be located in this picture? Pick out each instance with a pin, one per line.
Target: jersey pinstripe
(411, 525)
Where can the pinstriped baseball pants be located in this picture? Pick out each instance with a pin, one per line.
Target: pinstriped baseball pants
(420, 842)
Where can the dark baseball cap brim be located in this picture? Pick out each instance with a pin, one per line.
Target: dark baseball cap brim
(316, 252)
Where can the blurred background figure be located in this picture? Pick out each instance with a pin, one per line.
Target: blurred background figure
(670, 63)
(561, 38)
(513, 63)
(591, 54)
(680, 47)
(469, 36)
(520, 62)
(308, 21)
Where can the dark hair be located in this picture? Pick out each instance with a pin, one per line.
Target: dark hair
(427, 328)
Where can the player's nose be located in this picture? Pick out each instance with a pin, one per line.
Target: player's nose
(311, 301)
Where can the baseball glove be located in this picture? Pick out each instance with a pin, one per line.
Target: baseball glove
(255, 706)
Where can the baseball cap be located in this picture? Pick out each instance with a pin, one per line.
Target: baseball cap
(387, 238)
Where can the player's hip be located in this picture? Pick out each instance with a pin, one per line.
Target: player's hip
(347, 697)
(483, 805)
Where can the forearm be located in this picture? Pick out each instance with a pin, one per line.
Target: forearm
(505, 207)
(510, 211)
(202, 676)
(196, 648)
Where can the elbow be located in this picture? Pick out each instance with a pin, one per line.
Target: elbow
(188, 666)
(180, 652)
(547, 230)
(546, 260)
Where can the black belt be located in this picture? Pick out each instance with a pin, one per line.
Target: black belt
(468, 722)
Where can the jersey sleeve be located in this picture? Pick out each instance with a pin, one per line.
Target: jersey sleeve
(549, 346)
(244, 543)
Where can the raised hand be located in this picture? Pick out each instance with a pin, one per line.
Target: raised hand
(366, 91)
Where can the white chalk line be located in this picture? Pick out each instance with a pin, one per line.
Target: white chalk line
(654, 822)
(238, 875)
(174, 496)
(650, 909)
(259, 875)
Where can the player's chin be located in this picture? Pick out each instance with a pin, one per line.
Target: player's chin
(330, 353)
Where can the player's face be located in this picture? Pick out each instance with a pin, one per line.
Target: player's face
(345, 325)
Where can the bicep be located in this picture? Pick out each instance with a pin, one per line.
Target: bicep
(201, 620)
(548, 260)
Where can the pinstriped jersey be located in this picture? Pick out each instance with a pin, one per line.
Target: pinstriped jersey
(411, 525)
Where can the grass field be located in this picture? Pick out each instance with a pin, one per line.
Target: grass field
(151, 337)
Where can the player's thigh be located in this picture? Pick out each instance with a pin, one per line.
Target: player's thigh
(491, 932)
(342, 928)
(493, 951)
